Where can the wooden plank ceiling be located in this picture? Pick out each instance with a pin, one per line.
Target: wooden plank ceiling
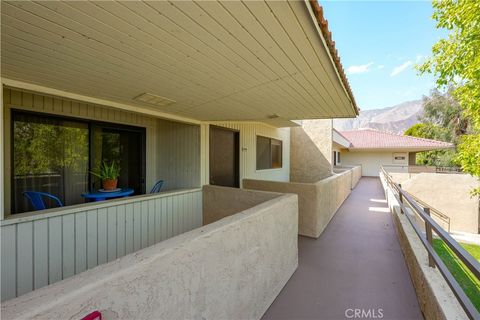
(231, 60)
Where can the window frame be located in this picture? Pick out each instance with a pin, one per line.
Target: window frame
(90, 124)
(270, 139)
(403, 155)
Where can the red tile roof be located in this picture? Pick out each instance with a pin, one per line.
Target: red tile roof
(375, 139)
(327, 35)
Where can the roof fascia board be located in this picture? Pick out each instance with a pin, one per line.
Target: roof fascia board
(340, 140)
(313, 16)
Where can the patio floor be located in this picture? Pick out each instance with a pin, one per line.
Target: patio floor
(356, 263)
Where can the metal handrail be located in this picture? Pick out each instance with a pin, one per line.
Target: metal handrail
(448, 170)
(434, 259)
(438, 169)
(435, 212)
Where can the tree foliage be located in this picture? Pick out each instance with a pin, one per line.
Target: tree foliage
(42, 148)
(443, 119)
(440, 158)
(456, 60)
(445, 116)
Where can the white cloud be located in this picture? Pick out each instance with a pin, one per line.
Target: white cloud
(381, 66)
(400, 68)
(359, 69)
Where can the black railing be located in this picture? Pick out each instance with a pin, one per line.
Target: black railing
(405, 199)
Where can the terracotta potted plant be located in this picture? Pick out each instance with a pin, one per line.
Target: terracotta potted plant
(109, 174)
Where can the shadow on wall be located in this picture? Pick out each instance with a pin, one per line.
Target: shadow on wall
(220, 202)
(310, 151)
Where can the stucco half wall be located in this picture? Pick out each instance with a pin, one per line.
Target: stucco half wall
(220, 202)
(231, 269)
(356, 173)
(317, 202)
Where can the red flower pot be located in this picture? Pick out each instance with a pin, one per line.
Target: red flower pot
(110, 184)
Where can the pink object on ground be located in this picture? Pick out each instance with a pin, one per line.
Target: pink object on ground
(95, 315)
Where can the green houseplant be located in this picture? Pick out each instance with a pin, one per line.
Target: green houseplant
(109, 174)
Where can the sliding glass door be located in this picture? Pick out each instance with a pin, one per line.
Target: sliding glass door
(56, 155)
(124, 146)
(49, 155)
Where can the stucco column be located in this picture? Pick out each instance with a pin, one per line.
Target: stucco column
(311, 151)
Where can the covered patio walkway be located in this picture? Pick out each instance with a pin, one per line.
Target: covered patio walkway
(356, 263)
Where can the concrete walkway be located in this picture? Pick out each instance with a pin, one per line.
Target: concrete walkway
(356, 263)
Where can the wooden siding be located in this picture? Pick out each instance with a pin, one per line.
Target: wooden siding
(2, 154)
(180, 149)
(50, 247)
(178, 157)
(248, 145)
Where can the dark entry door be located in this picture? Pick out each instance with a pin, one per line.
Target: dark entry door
(224, 157)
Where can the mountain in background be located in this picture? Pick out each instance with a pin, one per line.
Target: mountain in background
(395, 119)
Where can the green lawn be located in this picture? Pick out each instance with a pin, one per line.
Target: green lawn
(465, 278)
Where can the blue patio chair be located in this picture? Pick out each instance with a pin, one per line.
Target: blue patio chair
(157, 187)
(36, 199)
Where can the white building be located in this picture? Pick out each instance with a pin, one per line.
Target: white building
(372, 149)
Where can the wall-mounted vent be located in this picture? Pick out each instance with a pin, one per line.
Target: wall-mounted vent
(154, 100)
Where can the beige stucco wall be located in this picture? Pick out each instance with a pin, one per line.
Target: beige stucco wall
(332, 191)
(221, 202)
(231, 269)
(450, 194)
(308, 206)
(435, 297)
(356, 175)
(371, 161)
(356, 172)
(311, 151)
(420, 169)
(317, 202)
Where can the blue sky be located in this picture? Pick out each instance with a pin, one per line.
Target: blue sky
(379, 43)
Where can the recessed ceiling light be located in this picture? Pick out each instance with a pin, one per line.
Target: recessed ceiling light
(154, 99)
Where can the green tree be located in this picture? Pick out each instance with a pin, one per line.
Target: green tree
(456, 60)
(443, 119)
(446, 116)
(440, 158)
(41, 148)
